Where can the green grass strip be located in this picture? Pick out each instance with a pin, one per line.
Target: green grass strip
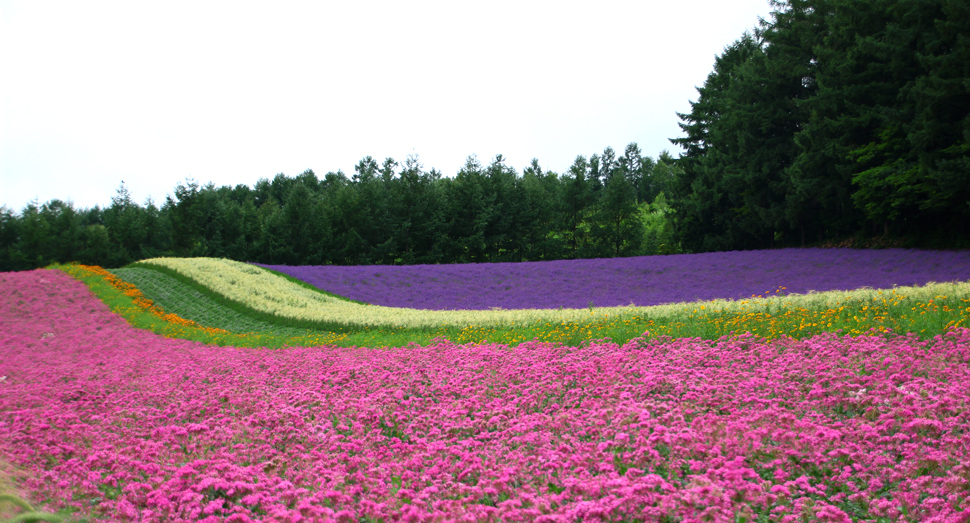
(138, 317)
(247, 311)
(189, 302)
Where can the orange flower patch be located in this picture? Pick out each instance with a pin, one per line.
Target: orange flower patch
(144, 303)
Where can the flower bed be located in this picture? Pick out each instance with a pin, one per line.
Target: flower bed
(644, 280)
(110, 421)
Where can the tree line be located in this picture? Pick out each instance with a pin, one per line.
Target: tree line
(385, 213)
(834, 119)
(837, 118)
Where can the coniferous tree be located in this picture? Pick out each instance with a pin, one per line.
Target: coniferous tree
(9, 233)
(185, 215)
(708, 197)
(853, 77)
(663, 175)
(913, 172)
(614, 224)
(419, 210)
(505, 229)
(543, 194)
(471, 204)
(577, 197)
(65, 230)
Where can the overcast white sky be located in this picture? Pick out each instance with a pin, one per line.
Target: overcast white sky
(93, 93)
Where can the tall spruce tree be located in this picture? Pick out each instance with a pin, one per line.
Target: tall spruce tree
(615, 227)
(857, 76)
(708, 197)
(912, 175)
(472, 209)
(576, 199)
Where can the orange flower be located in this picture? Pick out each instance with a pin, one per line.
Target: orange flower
(144, 303)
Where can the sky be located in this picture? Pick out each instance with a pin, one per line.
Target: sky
(151, 94)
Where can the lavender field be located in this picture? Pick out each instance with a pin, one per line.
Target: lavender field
(645, 280)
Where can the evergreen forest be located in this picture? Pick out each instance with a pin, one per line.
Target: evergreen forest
(836, 122)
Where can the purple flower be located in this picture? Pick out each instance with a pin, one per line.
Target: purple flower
(645, 280)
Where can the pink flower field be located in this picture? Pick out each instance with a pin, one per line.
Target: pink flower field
(119, 424)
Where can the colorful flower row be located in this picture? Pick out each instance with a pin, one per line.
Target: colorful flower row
(137, 297)
(270, 293)
(117, 423)
(641, 280)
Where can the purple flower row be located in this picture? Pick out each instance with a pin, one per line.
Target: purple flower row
(125, 425)
(645, 280)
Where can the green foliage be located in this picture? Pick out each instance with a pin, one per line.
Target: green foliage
(616, 229)
(386, 213)
(837, 118)
(577, 197)
(658, 228)
(709, 197)
(912, 167)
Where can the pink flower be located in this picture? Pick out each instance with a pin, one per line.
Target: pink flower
(541, 432)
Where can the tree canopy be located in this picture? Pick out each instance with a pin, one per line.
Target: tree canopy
(835, 118)
(385, 213)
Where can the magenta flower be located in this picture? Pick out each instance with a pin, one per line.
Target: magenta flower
(120, 424)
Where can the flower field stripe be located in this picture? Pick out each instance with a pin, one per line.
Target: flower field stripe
(192, 302)
(641, 280)
(925, 311)
(271, 294)
(118, 296)
(110, 422)
(138, 298)
(241, 302)
(283, 300)
(311, 287)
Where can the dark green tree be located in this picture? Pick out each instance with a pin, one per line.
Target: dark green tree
(506, 227)
(9, 233)
(543, 196)
(615, 226)
(419, 209)
(186, 216)
(853, 76)
(127, 230)
(472, 208)
(296, 234)
(911, 168)
(708, 197)
(577, 198)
